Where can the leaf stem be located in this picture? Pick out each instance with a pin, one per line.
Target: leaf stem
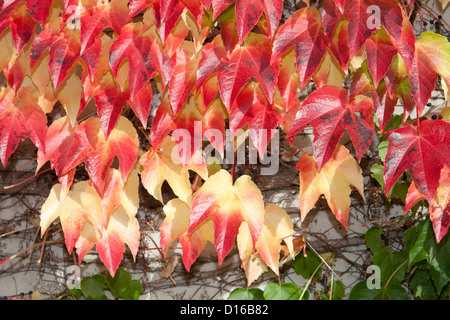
(309, 281)
(393, 273)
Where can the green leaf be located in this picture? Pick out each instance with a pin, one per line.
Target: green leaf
(338, 290)
(414, 240)
(306, 265)
(76, 293)
(373, 239)
(250, 294)
(287, 291)
(93, 287)
(361, 292)
(376, 172)
(422, 286)
(420, 243)
(382, 150)
(133, 291)
(392, 292)
(119, 283)
(393, 265)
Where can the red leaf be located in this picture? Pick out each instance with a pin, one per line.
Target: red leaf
(100, 152)
(422, 151)
(439, 207)
(362, 82)
(39, 10)
(228, 206)
(15, 15)
(252, 107)
(380, 52)
(112, 14)
(182, 81)
(110, 101)
(304, 30)
(63, 148)
(162, 123)
(250, 60)
(20, 118)
(141, 104)
(189, 128)
(219, 6)
(214, 58)
(431, 59)
(288, 84)
(362, 24)
(329, 111)
(139, 47)
(248, 14)
(384, 105)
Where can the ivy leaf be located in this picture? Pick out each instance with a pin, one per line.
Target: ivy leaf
(392, 292)
(420, 244)
(380, 52)
(64, 50)
(162, 123)
(384, 104)
(98, 17)
(68, 207)
(100, 152)
(93, 287)
(422, 286)
(393, 265)
(214, 58)
(183, 78)
(287, 291)
(249, 13)
(159, 166)
(288, 84)
(432, 57)
(330, 112)
(252, 107)
(21, 118)
(110, 245)
(15, 14)
(228, 206)
(243, 294)
(176, 224)
(277, 227)
(247, 61)
(333, 181)
(110, 101)
(360, 21)
(373, 239)
(144, 53)
(422, 151)
(39, 10)
(439, 207)
(304, 30)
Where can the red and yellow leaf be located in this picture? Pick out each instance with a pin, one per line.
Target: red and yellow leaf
(228, 206)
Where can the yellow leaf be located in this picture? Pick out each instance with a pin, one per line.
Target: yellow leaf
(329, 72)
(444, 3)
(276, 228)
(252, 263)
(69, 94)
(333, 181)
(158, 166)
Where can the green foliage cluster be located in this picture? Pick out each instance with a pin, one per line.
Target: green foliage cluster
(120, 287)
